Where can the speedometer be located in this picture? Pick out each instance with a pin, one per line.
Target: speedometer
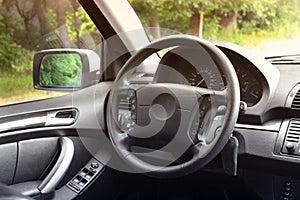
(196, 78)
(205, 77)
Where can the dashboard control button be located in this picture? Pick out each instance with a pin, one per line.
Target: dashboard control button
(288, 189)
(287, 194)
(121, 119)
(288, 183)
(243, 106)
(290, 147)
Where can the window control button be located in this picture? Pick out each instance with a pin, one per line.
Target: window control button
(82, 174)
(93, 170)
(76, 180)
(91, 173)
(81, 184)
(85, 176)
(88, 176)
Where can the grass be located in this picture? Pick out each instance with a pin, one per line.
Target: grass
(15, 84)
(17, 87)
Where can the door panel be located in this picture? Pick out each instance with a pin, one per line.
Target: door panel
(31, 150)
(8, 160)
(34, 158)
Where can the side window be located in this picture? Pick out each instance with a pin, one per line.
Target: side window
(29, 26)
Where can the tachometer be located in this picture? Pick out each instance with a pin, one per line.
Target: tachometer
(251, 91)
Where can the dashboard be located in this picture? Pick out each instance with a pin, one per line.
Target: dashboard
(184, 70)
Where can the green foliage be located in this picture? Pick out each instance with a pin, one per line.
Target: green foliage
(24, 62)
(255, 18)
(87, 26)
(51, 18)
(13, 57)
(211, 27)
(270, 16)
(62, 70)
(79, 23)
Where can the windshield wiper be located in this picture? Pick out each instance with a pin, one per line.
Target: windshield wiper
(293, 59)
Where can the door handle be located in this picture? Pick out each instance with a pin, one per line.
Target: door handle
(60, 168)
(66, 117)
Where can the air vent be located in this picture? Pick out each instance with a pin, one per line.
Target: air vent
(296, 101)
(293, 134)
(291, 142)
(293, 99)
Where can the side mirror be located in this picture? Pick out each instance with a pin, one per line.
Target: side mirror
(65, 69)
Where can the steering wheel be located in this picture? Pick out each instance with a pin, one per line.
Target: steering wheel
(152, 125)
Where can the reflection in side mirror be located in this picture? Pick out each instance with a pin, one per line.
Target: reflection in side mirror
(65, 70)
(61, 70)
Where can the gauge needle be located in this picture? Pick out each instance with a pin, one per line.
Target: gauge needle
(200, 82)
(254, 95)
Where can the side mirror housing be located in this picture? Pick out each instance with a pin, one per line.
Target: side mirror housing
(65, 70)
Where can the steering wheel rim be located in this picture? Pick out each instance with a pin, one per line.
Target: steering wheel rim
(231, 94)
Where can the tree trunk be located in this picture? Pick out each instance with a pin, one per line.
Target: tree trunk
(201, 17)
(154, 24)
(77, 24)
(77, 28)
(27, 25)
(41, 11)
(235, 20)
(61, 22)
(196, 24)
(230, 20)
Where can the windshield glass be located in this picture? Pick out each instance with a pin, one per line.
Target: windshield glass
(268, 26)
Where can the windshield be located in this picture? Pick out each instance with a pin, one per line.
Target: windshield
(267, 26)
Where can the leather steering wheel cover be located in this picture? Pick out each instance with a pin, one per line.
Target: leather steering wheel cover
(230, 117)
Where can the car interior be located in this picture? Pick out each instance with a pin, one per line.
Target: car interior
(202, 120)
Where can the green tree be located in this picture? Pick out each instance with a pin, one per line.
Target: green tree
(154, 12)
(79, 24)
(11, 53)
(196, 11)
